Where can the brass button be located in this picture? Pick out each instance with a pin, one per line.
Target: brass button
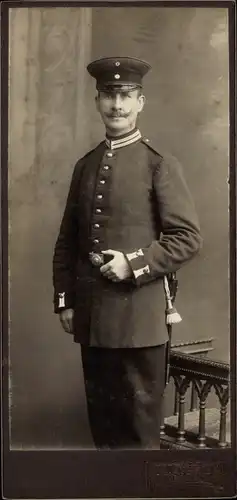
(96, 241)
(96, 225)
(106, 167)
(109, 154)
(99, 196)
(98, 210)
(102, 182)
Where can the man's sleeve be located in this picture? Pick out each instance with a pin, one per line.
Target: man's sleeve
(180, 239)
(65, 252)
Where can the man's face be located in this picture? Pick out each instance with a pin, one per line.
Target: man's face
(119, 110)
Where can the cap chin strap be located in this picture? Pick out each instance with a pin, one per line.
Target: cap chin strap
(117, 88)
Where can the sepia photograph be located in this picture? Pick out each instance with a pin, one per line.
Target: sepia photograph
(119, 169)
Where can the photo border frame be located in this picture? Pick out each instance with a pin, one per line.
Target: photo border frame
(117, 474)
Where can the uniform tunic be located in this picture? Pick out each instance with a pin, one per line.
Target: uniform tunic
(125, 196)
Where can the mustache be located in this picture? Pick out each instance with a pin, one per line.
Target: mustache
(117, 115)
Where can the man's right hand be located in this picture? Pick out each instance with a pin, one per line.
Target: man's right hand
(66, 319)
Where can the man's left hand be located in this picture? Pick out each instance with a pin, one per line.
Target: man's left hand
(118, 268)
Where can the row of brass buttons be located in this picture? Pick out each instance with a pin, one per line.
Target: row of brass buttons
(100, 197)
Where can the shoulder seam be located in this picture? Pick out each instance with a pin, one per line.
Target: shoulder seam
(91, 151)
(147, 143)
(81, 164)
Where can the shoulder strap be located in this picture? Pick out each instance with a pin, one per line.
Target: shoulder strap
(148, 143)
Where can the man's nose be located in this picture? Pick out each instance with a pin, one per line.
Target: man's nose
(117, 102)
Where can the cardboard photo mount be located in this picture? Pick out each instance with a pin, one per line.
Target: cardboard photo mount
(208, 473)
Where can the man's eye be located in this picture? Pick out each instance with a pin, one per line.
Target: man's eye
(125, 96)
(106, 96)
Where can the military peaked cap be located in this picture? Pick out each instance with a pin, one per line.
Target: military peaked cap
(113, 72)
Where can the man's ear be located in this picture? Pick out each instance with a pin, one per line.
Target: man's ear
(97, 102)
(142, 101)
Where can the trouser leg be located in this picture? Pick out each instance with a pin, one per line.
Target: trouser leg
(145, 376)
(101, 374)
(124, 390)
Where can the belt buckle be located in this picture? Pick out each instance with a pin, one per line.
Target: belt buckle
(97, 259)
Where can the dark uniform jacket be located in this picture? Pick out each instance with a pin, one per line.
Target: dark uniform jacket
(123, 196)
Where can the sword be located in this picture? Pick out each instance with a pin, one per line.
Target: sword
(171, 314)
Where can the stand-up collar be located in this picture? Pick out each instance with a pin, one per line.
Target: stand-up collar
(123, 140)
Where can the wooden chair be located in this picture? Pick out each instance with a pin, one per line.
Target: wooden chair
(196, 379)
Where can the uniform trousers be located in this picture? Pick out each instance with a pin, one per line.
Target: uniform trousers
(124, 390)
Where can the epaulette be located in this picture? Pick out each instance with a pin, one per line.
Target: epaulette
(147, 142)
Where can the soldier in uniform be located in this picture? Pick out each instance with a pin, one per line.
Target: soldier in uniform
(129, 221)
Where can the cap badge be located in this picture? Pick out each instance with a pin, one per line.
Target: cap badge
(117, 63)
(117, 76)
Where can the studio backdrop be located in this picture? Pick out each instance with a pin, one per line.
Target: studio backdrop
(53, 122)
